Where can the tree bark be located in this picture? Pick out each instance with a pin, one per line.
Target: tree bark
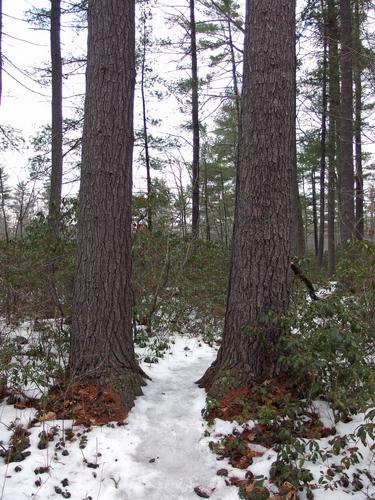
(102, 349)
(346, 126)
(333, 102)
(359, 214)
(195, 121)
(57, 122)
(259, 276)
(323, 145)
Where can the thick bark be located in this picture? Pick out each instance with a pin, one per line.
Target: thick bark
(195, 121)
(57, 122)
(258, 284)
(323, 150)
(347, 221)
(145, 130)
(359, 214)
(102, 349)
(334, 103)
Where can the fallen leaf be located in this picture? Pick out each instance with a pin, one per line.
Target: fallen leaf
(50, 415)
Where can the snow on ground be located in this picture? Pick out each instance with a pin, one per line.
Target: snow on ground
(159, 454)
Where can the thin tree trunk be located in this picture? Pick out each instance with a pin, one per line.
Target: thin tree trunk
(2, 193)
(225, 210)
(1, 49)
(102, 349)
(359, 214)
(195, 121)
(260, 265)
(323, 147)
(145, 131)
(208, 228)
(314, 211)
(297, 239)
(346, 126)
(57, 122)
(237, 96)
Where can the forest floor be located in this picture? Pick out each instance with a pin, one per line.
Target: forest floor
(161, 452)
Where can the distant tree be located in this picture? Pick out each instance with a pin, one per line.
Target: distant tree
(102, 349)
(258, 285)
(56, 122)
(4, 198)
(194, 121)
(346, 171)
(1, 49)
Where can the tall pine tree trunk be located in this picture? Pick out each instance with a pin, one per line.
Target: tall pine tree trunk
(323, 146)
(258, 284)
(57, 122)
(195, 121)
(334, 102)
(359, 215)
(314, 211)
(145, 129)
(102, 349)
(346, 126)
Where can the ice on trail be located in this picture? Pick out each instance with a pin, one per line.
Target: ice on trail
(159, 455)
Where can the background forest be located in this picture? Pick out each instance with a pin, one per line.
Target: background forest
(187, 115)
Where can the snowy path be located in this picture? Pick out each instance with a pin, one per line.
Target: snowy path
(169, 458)
(159, 455)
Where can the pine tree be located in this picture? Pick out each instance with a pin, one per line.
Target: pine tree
(258, 285)
(102, 349)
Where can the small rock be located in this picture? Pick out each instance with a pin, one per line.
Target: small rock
(58, 490)
(222, 472)
(152, 460)
(41, 470)
(65, 482)
(92, 465)
(65, 453)
(201, 493)
(18, 468)
(66, 494)
(38, 483)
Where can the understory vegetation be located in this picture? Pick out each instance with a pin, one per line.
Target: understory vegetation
(179, 287)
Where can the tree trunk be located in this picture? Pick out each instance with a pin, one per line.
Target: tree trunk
(323, 146)
(346, 126)
(297, 239)
(195, 121)
(102, 349)
(359, 215)
(1, 49)
(333, 91)
(57, 122)
(145, 130)
(208, 227)
(259, 276)
(314, 211)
